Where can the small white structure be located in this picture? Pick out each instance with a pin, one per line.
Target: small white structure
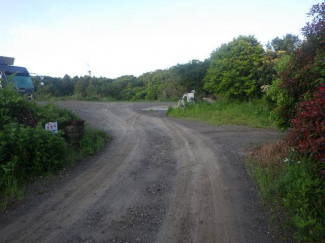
(188, 98)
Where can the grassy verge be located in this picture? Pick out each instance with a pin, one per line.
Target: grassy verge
(294, 189)
(50, 98)
(252, 113)
(92, 142)
(40, 97)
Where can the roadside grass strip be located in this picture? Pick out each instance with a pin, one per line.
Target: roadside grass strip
(294, 189)
(254, 113)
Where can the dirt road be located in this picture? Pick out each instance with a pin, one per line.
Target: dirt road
(159, 180)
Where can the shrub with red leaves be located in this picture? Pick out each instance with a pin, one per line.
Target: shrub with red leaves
(308, 133)
(306, 68)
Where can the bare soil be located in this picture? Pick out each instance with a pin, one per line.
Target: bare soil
(158, 180)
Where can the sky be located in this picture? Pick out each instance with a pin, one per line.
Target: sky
(132, 37)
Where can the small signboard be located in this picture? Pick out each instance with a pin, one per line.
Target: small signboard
(52, 126)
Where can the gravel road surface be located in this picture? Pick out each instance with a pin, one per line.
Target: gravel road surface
(158, 180)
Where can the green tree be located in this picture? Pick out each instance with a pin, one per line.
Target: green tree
(304, 71)
(288, 43)
(81, 86)
(191, 75)
(279, 51)
(233, 70)
(53, 86)
(121, 87)
(67, 86)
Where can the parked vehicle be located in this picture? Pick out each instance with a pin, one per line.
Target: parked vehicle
(18, 77)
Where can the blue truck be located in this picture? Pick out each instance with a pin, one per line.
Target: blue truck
(18, 77)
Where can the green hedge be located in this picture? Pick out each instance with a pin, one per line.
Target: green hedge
(27, 150)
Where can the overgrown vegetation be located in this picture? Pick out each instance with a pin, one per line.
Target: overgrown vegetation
(295, 185)
(307, 135)
(291, 174)
(27, 150)
(283, 84)
(158, 85)
(253, 113)
(304, 71)
(234, 68)
(294, 188)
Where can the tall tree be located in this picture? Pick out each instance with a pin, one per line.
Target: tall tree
(81, 86)
(67, 85)
(191, 75)
(233, 70)
(305, 70)
(288, 43)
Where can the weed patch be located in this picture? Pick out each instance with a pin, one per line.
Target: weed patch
(252, 113)
(295, 188)
(75, 97)
(92, 141)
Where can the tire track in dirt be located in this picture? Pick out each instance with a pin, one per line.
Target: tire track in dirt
(63, 207)
(159, 180)
(200, 211)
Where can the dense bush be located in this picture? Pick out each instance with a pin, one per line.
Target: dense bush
(294, 189)
(27, 150)
(12, 107)
(299, 80)
(25, 153)
(234, 68)
(302, 193)
(279, 97)
(305, 70)
(16, 109)
(50, 113)
(92, 141)
(308, 133)
(38, 150)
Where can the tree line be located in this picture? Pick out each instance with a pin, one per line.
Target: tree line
(236, 70)
(161, 84)
(287, 72)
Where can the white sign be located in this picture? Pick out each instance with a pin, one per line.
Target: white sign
(52, 126)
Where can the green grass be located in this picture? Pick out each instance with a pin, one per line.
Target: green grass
(295, 191)
(252, 113)
(40, 97)
(92, 141)
(50, 98)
